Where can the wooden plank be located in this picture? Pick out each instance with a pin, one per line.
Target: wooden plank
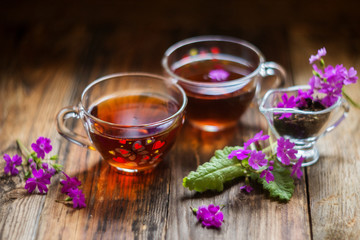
(333, 181)
(26, 115)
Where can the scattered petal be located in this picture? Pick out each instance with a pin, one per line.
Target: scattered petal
(69, 183)
(296, 169)
(78, 198)
(247, 188)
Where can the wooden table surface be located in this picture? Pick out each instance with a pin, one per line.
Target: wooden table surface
(48, 54)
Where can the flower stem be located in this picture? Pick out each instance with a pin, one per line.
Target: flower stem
(24, 151)
(348, 98)
(269, 148)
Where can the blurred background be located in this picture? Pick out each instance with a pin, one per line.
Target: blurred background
(52, 33)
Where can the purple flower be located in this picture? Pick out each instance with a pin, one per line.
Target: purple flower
(257, 159)
(240, 154)
(51, 171)
(321, 52)
(350, 76)
(78, 198)
(45, 166)
(285, 150)
(336, 73)
(11, 163)
(318, 71)
(33, 166)
(41, 147)
(218, 75)
(302, 96)
(329, 100)
(210, 216)
(247, 188)
(69, 183)
(296, 169)
(287, 102)
(315, 83)
(40, 180)
(256, 138)
(332, 87)
(269, 177)
(48, 169)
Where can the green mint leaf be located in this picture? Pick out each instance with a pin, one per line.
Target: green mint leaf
(68, 199)
(54, 158)
(283, 185)
(213, 174)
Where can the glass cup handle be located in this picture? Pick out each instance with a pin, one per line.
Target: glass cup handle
(63, 115)
(271, 69)
(345, 107)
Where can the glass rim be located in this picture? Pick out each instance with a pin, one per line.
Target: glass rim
(133, 74)
(212, 38)
(263, 109)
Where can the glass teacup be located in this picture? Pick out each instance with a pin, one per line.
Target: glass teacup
(220, 75)
(131, 119)
(303, 128)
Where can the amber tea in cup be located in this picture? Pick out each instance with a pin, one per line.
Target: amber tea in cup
(220, 75)
(131, 119)
(222, 109)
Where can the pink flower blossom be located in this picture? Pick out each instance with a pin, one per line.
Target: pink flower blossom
(239, 154)
(350, 76)
(257, 159)
(321, 52)
(69, 183)
(11, 164)
(257, 137)
(218, 75)
(285, 150)
(40, 180)
(296, 169)
(269, 177)
(78, 198)
(247, 188)
(287, 102)
(42, 146)
(210, 216)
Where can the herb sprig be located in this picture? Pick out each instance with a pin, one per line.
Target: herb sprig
(252, 162)
(42, 169)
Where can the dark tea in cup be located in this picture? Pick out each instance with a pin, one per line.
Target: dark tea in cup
(219, 110)
(220, 75)
(139, 149)
(131, 119)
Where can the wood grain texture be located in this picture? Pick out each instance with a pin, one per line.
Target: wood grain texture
(50, 53)
(333, 181)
